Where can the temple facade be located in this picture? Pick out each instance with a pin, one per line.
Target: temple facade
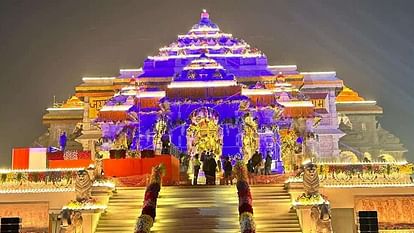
(209, 90)
(333, 165)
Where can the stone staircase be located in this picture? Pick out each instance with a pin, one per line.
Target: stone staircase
(124, 207)
(272, 213)
(202, 209)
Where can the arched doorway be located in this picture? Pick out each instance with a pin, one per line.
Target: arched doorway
(204, 132)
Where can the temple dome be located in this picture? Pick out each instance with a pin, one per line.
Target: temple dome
(347, 94)
(205, 24)
(205, 37)
(73, 102)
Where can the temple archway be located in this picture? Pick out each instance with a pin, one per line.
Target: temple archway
(204, 132)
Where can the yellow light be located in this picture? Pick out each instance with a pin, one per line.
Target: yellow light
(192, 84)
(402, 162)
(45, 190)
(3, 171)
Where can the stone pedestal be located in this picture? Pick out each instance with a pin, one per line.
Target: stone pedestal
(90, 221)
(305, 220)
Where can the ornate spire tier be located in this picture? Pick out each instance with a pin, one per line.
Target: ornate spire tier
(205, 37)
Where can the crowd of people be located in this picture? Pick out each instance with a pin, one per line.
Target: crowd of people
(206, 162)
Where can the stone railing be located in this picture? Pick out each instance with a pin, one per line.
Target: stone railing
(32, 181)
(363, 174)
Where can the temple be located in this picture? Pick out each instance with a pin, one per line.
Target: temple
(211, 75)
(211, 91)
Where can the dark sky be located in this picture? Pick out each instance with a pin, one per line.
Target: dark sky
(47, 46)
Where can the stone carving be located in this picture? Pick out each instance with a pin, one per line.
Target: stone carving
(367, 157)
(348, 157)
(392, 210)
(250, 139)
(288, 150)
(311, 180)
(71, 221)
(386, 158)
(98, 169)
(344, 119)
(83, 186)
(321, 217)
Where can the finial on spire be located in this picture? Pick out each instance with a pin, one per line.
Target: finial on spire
(204, 14)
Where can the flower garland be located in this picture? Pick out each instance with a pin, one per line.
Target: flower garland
(310, 200)
(52, 178)
(92, 204)
(146, 220)
(247, 224)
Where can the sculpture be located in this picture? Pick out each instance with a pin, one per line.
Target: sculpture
(321, 217)
(311, 180)
(344, 119)
(83, 186)
(98, 168)
(160, 130)
(204, 132)
(71, 221)
(288, 150)
(367, 157)
(250, 139)
(387, 158)
(348, 157)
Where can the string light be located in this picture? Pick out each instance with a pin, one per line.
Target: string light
(4, 171)
(85, 206)
(63, 109)
(42, 190)
(402, 162)
(107, 184)
(223, 83)
(97, 78)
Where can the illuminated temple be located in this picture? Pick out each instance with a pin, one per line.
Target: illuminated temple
(211, 91)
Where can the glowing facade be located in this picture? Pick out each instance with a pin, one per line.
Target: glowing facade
(215, 71)
(211, 91)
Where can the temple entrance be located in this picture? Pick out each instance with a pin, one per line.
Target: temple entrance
(204, 132)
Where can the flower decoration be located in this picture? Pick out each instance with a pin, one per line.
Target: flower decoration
(146, 220)
(247, 224)
(310, 200)
(88, 205)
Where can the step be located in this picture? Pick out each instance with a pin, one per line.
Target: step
(214, 208)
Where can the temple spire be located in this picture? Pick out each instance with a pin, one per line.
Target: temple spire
(204, 14)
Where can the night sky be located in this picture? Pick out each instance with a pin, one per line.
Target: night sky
(47, 46)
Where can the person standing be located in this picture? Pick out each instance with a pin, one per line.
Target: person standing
(256, 159)
(206, 168)
(261, 167)
(219, 165)
(250, 171)
(196, 167)
(211, 170)
(227, 171)
(268, 164)
(62, 141)
(203, 156)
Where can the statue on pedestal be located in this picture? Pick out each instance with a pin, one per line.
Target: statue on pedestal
(311, 180)
(71, 221)
(83, 186)
(321, 216)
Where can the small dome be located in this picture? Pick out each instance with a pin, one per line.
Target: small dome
(347, 94)
(73, 102)
(204, 23)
